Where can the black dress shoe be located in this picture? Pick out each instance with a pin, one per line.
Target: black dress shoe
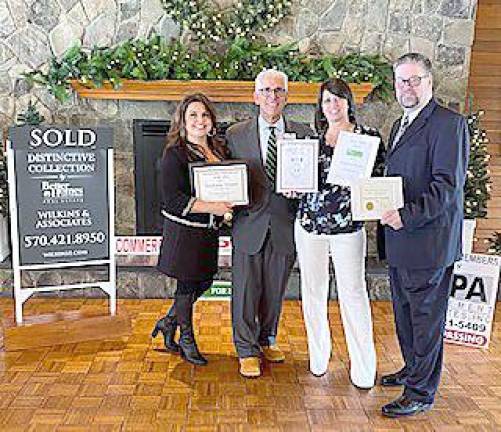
(393, 380)
(403, 406)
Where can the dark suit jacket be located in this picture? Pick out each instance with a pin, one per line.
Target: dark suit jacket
(266, 208)
(432, 158)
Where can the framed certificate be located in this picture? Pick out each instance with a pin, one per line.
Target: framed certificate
(353, 159)
(370, 198)
(225, 181)
(297, 165)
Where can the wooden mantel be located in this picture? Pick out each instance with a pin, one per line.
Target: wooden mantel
(217, 91)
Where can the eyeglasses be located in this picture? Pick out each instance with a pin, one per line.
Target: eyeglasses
(413, 81)
(268, 92)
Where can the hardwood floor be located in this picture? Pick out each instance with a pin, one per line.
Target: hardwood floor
(132, 384)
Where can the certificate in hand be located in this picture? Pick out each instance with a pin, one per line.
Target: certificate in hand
(297, 165)
(353, 158)
(370, 198)
(225, 181)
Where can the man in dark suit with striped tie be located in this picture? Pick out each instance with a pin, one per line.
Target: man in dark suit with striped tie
(263, 234)
(428, 148)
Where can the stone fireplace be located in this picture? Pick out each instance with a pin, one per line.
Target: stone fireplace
(443, 30)
(139, 133)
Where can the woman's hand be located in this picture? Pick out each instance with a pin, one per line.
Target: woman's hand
(220, 208)
(215, 208)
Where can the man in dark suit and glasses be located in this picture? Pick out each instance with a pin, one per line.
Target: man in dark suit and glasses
(428, 148)
(263, 232)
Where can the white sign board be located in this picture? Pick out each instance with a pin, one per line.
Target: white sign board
(472, 300)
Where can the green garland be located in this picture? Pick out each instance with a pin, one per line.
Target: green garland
(157, 59)
(477, 187)
(246, 19)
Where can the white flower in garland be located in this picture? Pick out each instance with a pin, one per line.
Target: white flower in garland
(245, 19)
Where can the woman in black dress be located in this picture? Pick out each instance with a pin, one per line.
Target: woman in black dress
(190, 240)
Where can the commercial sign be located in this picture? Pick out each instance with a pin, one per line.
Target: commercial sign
(143, 251)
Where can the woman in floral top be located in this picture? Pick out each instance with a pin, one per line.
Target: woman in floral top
(324, 224)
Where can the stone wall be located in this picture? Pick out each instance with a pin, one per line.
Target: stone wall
(31, 31)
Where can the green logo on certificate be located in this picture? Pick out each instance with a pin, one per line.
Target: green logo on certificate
(354, 153)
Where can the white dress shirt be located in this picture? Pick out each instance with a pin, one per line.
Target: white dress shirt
(412, 114)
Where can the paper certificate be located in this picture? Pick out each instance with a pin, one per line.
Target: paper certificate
(221, 182)
(297, 165)
(370, 198)
(353, 158)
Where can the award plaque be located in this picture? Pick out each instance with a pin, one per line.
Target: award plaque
(225, 181)
(297, 165)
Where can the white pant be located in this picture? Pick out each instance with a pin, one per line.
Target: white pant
(348, 253)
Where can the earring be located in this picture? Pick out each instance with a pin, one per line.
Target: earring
(182, 133)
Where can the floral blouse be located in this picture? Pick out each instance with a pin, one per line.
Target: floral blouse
(328, 211)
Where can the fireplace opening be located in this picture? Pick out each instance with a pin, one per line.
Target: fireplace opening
(149, 140)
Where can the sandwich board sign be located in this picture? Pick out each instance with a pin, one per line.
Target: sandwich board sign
(472, 300)
(61, 193)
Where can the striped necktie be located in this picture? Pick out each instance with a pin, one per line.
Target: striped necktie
(404, 124)
(271, 156)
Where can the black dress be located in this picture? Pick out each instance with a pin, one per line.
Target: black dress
(189, 248)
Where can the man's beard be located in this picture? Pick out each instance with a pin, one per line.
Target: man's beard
(409, 101)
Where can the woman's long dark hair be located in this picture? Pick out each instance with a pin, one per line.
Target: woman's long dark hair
(177, 132)
(339, 88)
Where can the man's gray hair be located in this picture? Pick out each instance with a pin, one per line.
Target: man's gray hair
(414, 58)
(258, 82)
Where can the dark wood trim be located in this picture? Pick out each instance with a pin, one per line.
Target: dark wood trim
(217, 91)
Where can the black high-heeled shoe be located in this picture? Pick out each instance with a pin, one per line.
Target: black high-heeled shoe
(167, 325)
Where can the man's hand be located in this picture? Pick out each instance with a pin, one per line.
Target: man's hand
(290, 194)
(392, 219)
